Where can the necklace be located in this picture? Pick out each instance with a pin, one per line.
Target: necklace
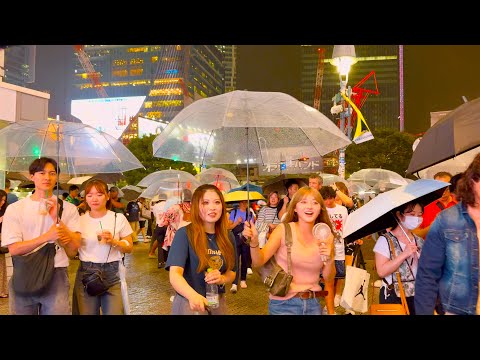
(210, 236)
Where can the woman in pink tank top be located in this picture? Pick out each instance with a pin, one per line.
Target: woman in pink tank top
(307, 256)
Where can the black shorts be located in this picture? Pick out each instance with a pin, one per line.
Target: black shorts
(142, 224)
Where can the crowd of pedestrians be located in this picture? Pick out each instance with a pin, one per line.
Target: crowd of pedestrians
(433, 247)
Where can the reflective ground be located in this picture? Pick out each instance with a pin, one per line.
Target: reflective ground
(150, 290)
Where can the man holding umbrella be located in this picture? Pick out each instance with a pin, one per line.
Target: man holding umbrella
(25, 233)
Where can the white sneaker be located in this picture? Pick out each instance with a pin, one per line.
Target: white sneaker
(349, 312)
(233, 289)
(377, 283)
(172, 297)
(249, 271)
(336, 300)
(243, 284)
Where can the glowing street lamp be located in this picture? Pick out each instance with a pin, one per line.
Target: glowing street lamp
(343, 58)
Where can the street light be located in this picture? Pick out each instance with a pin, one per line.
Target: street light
(343, 58)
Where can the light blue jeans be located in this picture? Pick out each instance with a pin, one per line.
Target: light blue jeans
(110, 302)
(294, 306)
(53, 301)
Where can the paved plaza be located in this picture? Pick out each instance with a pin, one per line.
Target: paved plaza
(150, 290)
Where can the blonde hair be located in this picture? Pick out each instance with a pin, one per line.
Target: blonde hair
(299, 195)
(196, 232)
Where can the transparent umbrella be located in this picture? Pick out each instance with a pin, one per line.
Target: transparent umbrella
(248, 127)
(221, 178)
(329, 179)
(169, 181)
(382, 178)
(78, 148)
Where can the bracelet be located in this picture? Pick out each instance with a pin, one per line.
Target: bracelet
(253, 247)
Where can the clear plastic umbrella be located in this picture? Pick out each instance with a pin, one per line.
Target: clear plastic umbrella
(167, 181)
(78, 148)
(264, 127)
(248, 127)
(382, 178)
(329, 179)
(221, 178)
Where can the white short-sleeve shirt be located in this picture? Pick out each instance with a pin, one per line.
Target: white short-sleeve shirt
(22, 221)
(97, 251)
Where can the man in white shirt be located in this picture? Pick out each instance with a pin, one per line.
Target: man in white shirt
(31, 223)
(338, 216)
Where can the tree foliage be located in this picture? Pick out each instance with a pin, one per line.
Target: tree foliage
(390, 149)
(142, 149)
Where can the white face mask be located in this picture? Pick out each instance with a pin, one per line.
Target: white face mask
(412, 222)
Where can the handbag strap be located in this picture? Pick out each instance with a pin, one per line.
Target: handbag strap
(288, 242)
(397, 273)
(113, 237)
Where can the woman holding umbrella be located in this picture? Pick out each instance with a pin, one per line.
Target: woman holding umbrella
(307, 209)
(399, 250)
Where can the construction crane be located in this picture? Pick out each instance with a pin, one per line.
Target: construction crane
(319, 79)
(93, 75)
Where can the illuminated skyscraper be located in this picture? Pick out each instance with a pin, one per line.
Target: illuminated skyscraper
(20, 64)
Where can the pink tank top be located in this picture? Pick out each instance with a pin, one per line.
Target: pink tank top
(306, 265)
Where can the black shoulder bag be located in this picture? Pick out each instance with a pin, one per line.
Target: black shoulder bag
(94, 280)
(32, 273)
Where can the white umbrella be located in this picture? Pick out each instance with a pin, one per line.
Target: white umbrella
(378, 213)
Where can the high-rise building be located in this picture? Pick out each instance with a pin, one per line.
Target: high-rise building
(230, 65)
(165, 74)
(380, 111)
(20, 64)
(169, 76)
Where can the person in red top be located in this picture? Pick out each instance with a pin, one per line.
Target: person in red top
(433, 209)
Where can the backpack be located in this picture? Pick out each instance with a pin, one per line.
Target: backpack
(133, 211)
(237, 230)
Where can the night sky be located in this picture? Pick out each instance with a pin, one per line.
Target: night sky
(436, 76)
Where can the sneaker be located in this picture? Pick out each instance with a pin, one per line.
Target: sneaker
(172, 297)
(349, 312)
(243, 284)
(377, 283)
(336, 300)
(249, 271)
(161, 265)
(233, 289)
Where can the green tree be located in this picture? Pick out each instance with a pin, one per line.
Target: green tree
(142, 149)
(390, 149)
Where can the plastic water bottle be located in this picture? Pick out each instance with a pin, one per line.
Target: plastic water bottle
(212, 294)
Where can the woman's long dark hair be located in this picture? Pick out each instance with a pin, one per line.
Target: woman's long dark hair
(465, 191)
(196, 232)
(3, 194)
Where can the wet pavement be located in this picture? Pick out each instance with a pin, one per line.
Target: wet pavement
(150, 290)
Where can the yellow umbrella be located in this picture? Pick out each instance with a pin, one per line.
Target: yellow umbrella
(242, 195)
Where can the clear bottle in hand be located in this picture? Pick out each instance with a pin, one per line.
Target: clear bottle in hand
(321, 232)
(212, 294)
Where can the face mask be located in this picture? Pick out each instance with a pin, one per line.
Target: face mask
(412, 222)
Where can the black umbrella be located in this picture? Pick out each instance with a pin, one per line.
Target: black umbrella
(456, 133)
(378, 213)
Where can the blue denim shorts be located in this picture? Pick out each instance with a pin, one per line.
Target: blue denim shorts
(340, 269)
